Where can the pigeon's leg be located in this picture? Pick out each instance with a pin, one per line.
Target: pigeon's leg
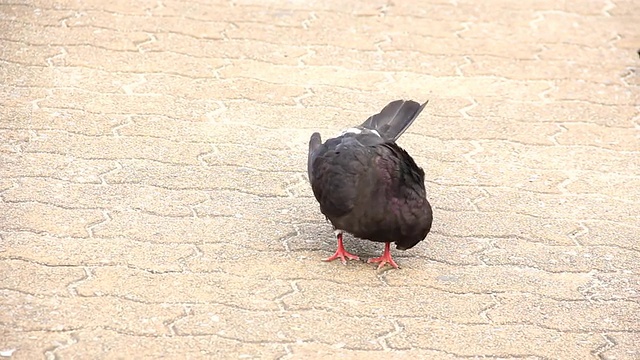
(385, 258)
(341, 252)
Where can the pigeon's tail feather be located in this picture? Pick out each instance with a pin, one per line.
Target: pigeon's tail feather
(394, 119)
(314, 144)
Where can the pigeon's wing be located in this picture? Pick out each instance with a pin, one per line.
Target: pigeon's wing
(401, 212)
(336, 171)
(394, 119)
(407, 174)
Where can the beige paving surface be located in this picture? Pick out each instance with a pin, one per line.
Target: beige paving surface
(154, 203)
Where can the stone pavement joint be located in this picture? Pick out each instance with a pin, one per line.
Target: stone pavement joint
(51, 352)
(608, 345)
(72, 286)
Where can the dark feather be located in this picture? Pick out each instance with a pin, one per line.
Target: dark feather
(369, 186)
(394, 119)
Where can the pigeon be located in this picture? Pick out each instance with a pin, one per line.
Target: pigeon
(370, 187)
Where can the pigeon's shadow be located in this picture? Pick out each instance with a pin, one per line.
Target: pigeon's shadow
(364, 248)
(320, 237)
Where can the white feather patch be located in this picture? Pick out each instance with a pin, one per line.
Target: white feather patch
(351, 131)
(358, 131)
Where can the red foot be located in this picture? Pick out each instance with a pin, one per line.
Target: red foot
(385, 258)
(341, 253)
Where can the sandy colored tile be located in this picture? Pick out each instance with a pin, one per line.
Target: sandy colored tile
(185, 288)
(26, 312)
(61, 253)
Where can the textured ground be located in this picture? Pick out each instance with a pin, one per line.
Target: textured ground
(153, 196)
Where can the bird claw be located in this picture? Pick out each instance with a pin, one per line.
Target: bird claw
(385, 258)
(341, 252)
(343, 255)
(383, 261)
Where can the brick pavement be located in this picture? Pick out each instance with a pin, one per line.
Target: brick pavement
(153, 198)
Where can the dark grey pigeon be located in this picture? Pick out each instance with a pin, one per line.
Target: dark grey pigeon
(370, 187)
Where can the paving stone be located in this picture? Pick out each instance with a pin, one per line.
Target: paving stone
(123, 104)
(147, 227)
(608, 233)
(44, 218)
(176, 176)
(90, 196)
(293, 326)
(493, 279)
(20, 53)
(499, 225)
(89, 147)
(27, 312)
(238, 291)
(41, 279)
(622, 346)
(108, 344)
(149, 24)
(556, 157)
(602, 316)
(201, 88)
(52, 165)
(69, 36)
(610, 184)
(282, 74)
(60, 119)
(214, 132)
(613, 286)
(506, 340)
(560, 258)
(62, 254)
(137, 62)
(410, 301)
(561, 111)
(338, 351)
(385, 61)
(597, 136)
(32, 344)
(554, 206)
